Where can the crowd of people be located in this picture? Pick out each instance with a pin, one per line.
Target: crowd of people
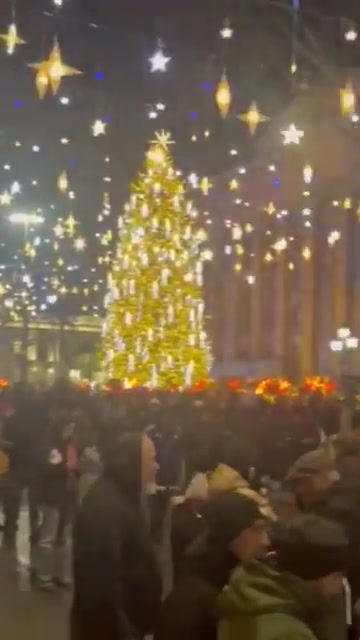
(199, 516)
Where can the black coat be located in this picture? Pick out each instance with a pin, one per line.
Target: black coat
(117, 585)
(57, 485)
(190, 611)
(186, 525)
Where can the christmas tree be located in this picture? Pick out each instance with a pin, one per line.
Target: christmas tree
(154, 331)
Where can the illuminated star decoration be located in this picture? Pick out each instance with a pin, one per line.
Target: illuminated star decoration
(253, 117)
(79, 244)
(49, 73)
(292, 135)
(163, 139)
(98, 128)
(227, 32)
(159, 61)
(70, 225)
(5, 198)
(11, 39)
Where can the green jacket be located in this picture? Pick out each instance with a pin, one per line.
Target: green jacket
(262, 604)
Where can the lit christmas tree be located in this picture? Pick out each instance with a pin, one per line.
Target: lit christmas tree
(154, 331)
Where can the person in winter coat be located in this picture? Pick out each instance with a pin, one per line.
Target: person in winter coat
(187, 522)
(295, 595)
(235, 532)
(117, 587)
(57, 494)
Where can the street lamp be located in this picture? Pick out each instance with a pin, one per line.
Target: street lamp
(344, 341)
(344, 344)
(26, 220)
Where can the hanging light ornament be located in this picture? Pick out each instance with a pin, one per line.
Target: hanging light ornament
(347, 100)
(11, 39)
(63, 182)
(308, 173)
(223, 96)
(253, 117)
(50, 72)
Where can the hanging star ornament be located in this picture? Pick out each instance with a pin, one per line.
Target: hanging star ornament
(98, 128)
(11, 39)
(227, 32)
(49, 73)
(223, 96)
(292, 135)
(253, 117)
(5, 198)
(159, 61)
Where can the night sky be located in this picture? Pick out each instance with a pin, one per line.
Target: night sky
(111, 42)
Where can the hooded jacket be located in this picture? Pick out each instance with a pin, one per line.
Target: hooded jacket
(187, 520)
(261, 603)
(117, 584)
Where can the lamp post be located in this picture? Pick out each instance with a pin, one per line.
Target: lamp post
(26, 220)
(344, 344)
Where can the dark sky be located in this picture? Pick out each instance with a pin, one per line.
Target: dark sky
(111, 41)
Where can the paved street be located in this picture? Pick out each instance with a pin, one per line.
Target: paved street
(27, 614)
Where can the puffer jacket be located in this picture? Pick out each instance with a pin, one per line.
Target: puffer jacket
(260, 603)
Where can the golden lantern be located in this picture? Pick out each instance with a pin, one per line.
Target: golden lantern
(347, 100)
(63, 182)
(223, 96)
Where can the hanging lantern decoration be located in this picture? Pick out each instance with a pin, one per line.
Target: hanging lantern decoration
(63, 182)
(223, 96)
(308, 174)
(347, 100)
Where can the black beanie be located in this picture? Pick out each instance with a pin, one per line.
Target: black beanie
(311, 548)
(227, 515)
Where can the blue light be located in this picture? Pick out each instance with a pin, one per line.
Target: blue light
(99, 75)
(208, 86)
(72, 163)
(194, 115)
(277, 183)
(18, 104)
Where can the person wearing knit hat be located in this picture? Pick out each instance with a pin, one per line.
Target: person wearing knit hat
(235, 532)
(312, 477)
(297, 593)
